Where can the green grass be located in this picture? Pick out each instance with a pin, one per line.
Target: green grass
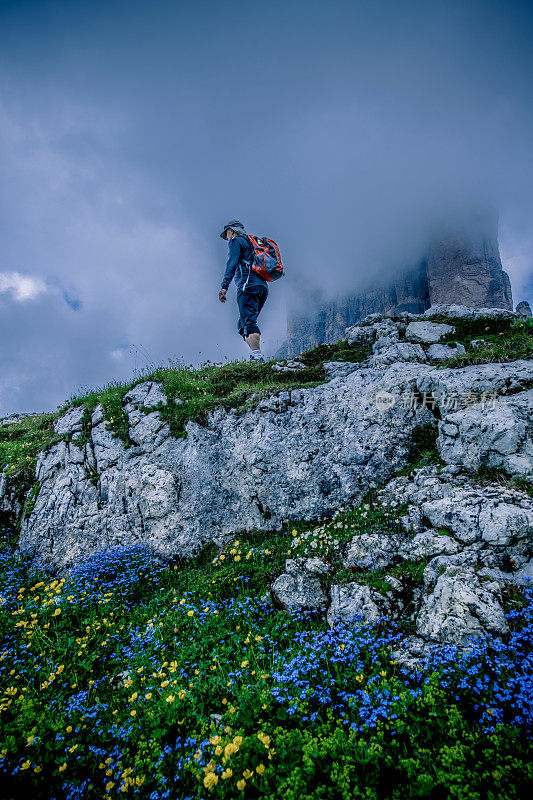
(506, 341)
(485, 475)
(21, 441)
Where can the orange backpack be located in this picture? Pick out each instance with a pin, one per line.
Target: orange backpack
(267, 260)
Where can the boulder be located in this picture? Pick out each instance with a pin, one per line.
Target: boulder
(357, 334)
(70, 422)
(496, 433)
(472, 516)
(427, 332)
(452, 389)
(398, 351)
(372, 550)
(355, 603)
(438, 352)
(523, 310)
(339, 369)
(463, 604)
(299, 586)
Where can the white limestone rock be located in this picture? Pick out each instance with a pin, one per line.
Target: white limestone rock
(496, 433)
(427, 332)
(392, 352)
(463, 604)
(299, 586)
(355, 603)
(438, 352)
(297, 455)
(466, 312)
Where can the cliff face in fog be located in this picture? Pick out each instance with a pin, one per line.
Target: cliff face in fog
(461, 266)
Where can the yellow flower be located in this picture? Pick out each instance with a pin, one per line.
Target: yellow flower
(30, 739)
(57, 612)
(244, 664)
(26, 765)
(37, 769)
(230, 749)
(165, 683)
(260, 769)
(232, 709)
(148, 696)
(215, 740)
(241, 785)
(247, 774)
(210, 780)
(170, 698)
(133, 713)
(190, 613)
(264, 739)
(63, 767)
(181, 694)
(227, 774)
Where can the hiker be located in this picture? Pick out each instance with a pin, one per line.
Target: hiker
(252, 290)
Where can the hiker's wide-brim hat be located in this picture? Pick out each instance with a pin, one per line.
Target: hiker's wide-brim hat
(235, 225)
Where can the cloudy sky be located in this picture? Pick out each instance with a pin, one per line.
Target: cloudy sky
(132, 130)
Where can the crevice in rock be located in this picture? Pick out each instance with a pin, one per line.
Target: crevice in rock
(426, 399)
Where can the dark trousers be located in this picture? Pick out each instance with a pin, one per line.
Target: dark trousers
(250, 304)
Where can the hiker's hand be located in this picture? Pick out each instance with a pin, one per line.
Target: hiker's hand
(222, 295)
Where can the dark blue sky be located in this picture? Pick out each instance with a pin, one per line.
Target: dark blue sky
(132, 131)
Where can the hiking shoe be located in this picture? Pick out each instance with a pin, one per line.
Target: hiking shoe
(260, 358)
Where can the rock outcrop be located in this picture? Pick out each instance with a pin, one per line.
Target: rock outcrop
(476, 541)
(464, 265)
(523, 309)
(297, 455)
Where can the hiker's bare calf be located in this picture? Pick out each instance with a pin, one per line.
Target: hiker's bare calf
(252, 340)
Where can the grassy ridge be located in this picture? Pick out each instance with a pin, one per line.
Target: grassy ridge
(239, 385)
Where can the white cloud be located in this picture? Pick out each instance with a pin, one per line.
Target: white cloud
(23, 287)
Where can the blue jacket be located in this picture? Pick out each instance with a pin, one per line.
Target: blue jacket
(241, 250)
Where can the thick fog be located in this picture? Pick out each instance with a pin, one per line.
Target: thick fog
(132, 131)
